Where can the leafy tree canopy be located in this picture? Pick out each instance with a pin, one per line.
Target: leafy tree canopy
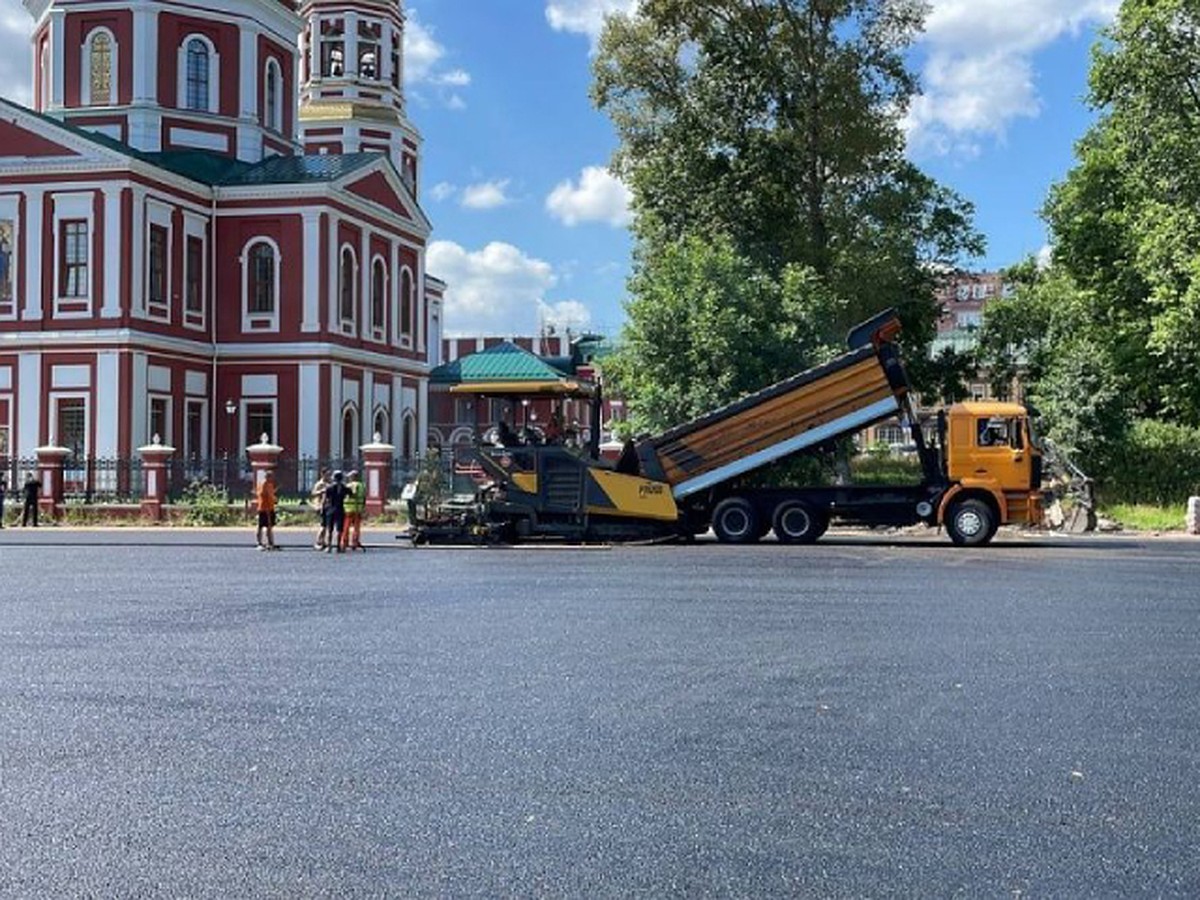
(772, 130)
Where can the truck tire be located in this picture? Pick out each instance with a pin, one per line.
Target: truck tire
(797, 523)
(971, 523)
(735, 521)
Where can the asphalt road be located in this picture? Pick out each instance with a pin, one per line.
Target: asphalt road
(181, 716)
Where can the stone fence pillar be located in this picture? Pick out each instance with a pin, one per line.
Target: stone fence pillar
(1193, 515)
(264, 457)
(51, 460)
(377, 473)
(154, 466)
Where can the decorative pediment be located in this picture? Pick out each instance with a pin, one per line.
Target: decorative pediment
(377, 188)
(22, 143)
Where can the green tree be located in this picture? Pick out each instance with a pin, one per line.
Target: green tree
(771, 128)
(705, 326)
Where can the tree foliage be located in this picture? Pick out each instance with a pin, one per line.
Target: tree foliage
(705, 326)
(772, 129)
(1110, 334)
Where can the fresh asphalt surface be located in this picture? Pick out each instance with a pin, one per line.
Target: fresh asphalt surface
(181, 716)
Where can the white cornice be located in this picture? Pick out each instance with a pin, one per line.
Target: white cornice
(256, 352)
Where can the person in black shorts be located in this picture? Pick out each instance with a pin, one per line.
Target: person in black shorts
(335, 495)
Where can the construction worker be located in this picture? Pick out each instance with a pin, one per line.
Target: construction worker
(265, 497)
(356, 503)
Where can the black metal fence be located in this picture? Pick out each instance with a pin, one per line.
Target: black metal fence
(123, 480)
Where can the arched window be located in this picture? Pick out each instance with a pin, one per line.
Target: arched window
(100, 69)
(349, 431)
(260, 285)
(348, 281)
(380, 425)
(408, 435)
(271, 89)
(197, 79)
(406, 304)
(261, 272)
(378, 296)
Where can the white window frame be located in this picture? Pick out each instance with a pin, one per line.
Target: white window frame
(258, 322)
(347, 326)
(56, 398)
(158, 215)
(351, 407)
(85, 92)
(194, 227)
(150, 400)
(244, 421)
(406, 328)
(378, 329)
(72, 207)
(9, 207)
(273, 113)
(214, 75)
(190, 452)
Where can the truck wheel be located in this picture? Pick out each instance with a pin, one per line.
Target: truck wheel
(735, 521)
(797, 523)
(971, 523)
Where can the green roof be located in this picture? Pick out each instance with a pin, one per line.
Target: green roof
(218, 170)
(502, 362)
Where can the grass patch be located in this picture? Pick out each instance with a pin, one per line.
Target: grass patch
(1144, 517)
(880, 469)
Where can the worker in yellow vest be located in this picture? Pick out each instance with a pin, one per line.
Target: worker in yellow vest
(356, 504)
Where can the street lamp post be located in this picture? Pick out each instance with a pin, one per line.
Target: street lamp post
(230, 414)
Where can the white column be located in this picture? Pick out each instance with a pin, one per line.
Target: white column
(364, 283)
(311, 314)
(385, 52)
(422, 417)
(57, 56)
(334, 257)
(396, 439)
(419, 300)
(394, 296)
(137, 400)
(351, 38)
(335, 409)
(137, 252)
(29, 369)
(310, 410)
(111, 308)
(108, 390)
(145, 55)
(34, 255)
(366, 422)
(248, 76)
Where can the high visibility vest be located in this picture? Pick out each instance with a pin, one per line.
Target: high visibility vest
(356, 499)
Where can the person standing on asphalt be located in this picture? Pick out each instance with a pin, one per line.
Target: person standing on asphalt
(31, 489)
(265, 497)
(321, 505)
(335, 495)
(3, 488)
(356, 504)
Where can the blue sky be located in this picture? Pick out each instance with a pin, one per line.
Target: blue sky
(529, 228)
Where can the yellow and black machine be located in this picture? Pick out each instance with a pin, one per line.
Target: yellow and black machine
(983, 471)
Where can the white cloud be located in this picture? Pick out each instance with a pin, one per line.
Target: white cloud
(1045, 256)
(565, 315)
(486, 195)
(442, 190)
(496, 290)
(423, 64)
(979, 73)
(16, 55)
(597, 197)
(584, 16)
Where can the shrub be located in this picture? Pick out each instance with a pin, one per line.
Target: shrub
(207, 504)
(1157, 463)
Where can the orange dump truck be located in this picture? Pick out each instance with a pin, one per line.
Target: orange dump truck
(983, 471)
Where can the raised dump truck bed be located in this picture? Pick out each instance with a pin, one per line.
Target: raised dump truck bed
(841, 397)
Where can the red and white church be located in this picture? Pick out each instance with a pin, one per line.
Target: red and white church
(209, 230)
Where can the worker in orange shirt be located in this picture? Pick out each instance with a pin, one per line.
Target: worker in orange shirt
(265, 498)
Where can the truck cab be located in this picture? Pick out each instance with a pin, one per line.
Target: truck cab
(991, 456)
